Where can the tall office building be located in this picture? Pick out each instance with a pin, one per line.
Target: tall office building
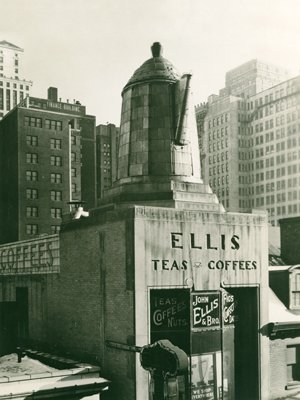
(13, 87)
(47, 158)
(106, 156)
(253, 77)
(251, 147)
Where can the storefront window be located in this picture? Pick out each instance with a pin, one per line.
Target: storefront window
(206, 376)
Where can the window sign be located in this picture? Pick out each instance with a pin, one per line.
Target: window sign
(228, 306)
(170, 316)
(202, 378)
(206, 376)
(37, 256)
(205, 310)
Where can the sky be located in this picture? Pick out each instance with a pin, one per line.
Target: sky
(89, 49)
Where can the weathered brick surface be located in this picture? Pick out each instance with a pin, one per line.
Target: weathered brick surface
(40, 300)
(278, 368)
(92, 301)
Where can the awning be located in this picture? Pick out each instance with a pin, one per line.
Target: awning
(281, 319)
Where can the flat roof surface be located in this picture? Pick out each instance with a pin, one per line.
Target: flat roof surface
(9, 366)
(31, 377)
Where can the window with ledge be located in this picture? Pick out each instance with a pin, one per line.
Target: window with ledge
(295, 289)
(31, 212)
(293, 364)
(56, 195)
(31, 194)
(31, 229)
(55, 144)
(33, 122)
(56, 161)
(56, 212)
(55, 229)
(31, 158)
(31, 140)
(31, 176)
(53, 125)
(55, 178)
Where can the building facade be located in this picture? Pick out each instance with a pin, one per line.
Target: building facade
(253, 77)
(251, 148)
(284, 314)
(47, 159)
(106, 156)
(13, 87)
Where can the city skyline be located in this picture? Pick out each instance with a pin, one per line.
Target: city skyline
(83, 47)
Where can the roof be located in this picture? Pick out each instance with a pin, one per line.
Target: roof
(9, 366)
(32, 378)
(279, 267)
(9, 45)
(156, 68)
(279, 313)
(283, 267)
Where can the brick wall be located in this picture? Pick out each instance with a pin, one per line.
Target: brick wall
(93, 300)
(40, 295)
(278, 368)
(9, 202)
(88, 161)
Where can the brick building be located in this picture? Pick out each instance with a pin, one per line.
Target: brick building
(106, 156)
(13, 87)
(250, 143)
(47, 158)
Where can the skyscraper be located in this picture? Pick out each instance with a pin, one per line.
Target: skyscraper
(13, 87)
(251, 144)
(253, 77)
(47, 153)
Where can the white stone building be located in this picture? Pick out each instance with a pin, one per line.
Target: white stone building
(13, 87)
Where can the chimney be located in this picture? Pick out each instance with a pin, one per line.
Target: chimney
(52, 93)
